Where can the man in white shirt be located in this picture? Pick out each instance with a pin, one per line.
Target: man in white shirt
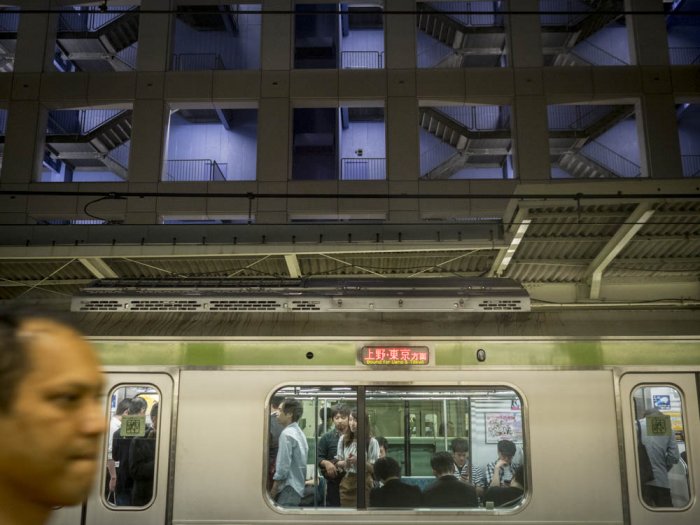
(290, 468)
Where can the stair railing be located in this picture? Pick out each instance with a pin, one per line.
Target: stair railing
(595, 55)
(691, 165)
(566, 13)
(91, 119)
(684, 55)
(362, 168)
(611, 160)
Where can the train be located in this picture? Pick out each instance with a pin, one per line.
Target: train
(567, 387)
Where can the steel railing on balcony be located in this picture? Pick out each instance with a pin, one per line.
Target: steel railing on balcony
(691, 165)
(610, 160)
(197, 62)
(362, 59)
(191, 170)
(362, 169)
(684, 55)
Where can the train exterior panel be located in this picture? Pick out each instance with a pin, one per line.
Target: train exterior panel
(576, 398)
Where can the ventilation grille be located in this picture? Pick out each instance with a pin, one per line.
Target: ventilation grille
(243, 305)
(306, 305)
(101, 305)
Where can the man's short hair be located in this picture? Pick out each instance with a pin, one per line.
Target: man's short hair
(293, 407)
(442, 463)
(14, 363)
(506, 447)
(383, 442)
(341, 409)
(276, 401)
(459, 445)
(138, 405)
(386, 467)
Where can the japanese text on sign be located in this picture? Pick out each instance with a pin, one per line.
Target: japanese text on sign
(395, 355)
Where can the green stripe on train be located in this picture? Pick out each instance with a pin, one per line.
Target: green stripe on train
(451, 353)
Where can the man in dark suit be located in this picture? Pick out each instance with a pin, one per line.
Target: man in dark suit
(448, 491)
(393, 492)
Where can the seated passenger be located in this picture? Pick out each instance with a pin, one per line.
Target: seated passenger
(462, 470)
(448, 491)
(510, 495)
(383, 446)
(393, 492)
(500, 472)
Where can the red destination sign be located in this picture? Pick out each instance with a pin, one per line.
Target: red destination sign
(395, 355)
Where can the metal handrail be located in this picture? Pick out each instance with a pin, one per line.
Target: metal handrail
(600, 57)
(95, 19)
(611, 160)
(582, 120)
(471, 19)
(691, 165)
(434, 157)
(362, 59)
(197, 62)
(684, 55)
(554, 15)
(362, 168)
(182, 170)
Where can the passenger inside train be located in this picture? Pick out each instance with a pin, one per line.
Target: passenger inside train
(484, 434)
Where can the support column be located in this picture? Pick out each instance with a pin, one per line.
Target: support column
(657, 128)
(523, 34)
(530, 138)
(150, 122)
(36, 38)
(648, 38)
(154, 35)
(277, 36)
(24, 142)
(400, 31)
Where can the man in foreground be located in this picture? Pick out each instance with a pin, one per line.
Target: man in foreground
(51, 418)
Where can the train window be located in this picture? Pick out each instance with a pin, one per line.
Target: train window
(425, 447)
(661, 446)
(131, 446)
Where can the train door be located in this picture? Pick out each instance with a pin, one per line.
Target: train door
(661, 422)
(135, 454)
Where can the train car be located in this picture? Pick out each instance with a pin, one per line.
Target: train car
(572, 391)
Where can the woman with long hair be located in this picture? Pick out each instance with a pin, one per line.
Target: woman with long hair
(347, 460)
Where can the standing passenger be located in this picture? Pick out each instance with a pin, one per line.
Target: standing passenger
(114, 425)
(347, 460)
(142, 463)
(274, 429)
(120, 452)
(290, 469)
(51, 418)
(663, 454)
(327, 450)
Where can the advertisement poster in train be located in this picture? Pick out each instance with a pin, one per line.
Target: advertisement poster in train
(503, 425)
